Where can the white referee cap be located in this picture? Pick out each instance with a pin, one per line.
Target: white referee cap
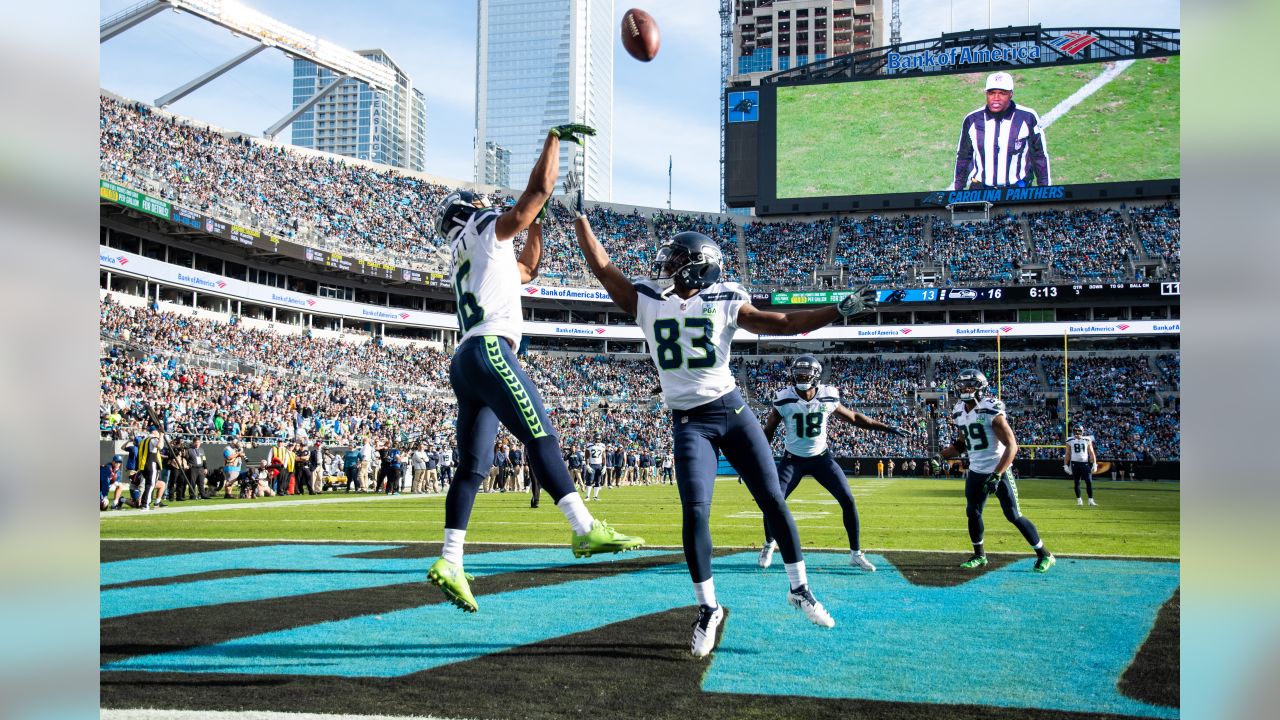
(1000, 81)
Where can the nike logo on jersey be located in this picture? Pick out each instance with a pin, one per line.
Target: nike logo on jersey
(739, 410)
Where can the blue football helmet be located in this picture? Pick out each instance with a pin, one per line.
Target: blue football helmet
(691, 259)
(456, 211)
(970, 384)
(805, 371)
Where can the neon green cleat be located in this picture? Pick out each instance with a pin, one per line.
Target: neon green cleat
(603, 539)
(454, 583)
(1044, 563)
(973, 562)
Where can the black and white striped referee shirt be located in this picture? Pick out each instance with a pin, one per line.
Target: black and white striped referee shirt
(1001, 149)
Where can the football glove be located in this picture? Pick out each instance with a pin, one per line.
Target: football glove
(861, 300)
(542, 214)
(1093, 470)
(573, 189)
(1066, 469)
(991, 483)
(895, 431)
(572, 131)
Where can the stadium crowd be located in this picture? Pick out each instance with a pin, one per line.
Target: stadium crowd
(1160, 232)
(979, 252)
(1084, 243)
(786, 253)
(878, 249)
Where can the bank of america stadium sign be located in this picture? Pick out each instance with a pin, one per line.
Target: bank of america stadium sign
(1068, 44)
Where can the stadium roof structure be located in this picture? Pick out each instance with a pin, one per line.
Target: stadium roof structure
(268, 32)
(1008, 46)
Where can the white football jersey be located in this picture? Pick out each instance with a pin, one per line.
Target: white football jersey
(974, 425)
(805, 421)
(1079, 447)
(595, 454)
(486, 280)
(689, 340)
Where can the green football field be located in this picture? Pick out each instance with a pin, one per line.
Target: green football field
(900, 136)
(1132, 519)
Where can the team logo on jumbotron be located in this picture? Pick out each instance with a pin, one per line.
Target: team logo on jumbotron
(1073, 42)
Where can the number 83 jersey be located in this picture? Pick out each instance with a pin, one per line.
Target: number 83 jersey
(689, 340)
(805, 421)
(975, 427)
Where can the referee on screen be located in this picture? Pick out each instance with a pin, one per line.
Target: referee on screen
(1001, 144)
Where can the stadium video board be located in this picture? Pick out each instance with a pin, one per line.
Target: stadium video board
(907, 138)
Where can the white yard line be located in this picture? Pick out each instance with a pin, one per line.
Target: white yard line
(1079, 96)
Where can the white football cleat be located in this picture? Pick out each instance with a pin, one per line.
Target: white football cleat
(802, 599)
(766, 554)
(858, 560)
(1079, 501)
(704, 630)
(1091, 502)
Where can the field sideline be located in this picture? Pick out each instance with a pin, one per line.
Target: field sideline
(1133, 519)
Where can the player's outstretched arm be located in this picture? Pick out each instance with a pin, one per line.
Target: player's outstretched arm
(542, 182)
(531, 255)
(755, 320)
(857, 419)
(620, 289)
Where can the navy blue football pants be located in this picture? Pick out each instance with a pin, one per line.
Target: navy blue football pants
(975, 495)
(725, 425)
(491, 387)
(1082, 471)
(793, 468)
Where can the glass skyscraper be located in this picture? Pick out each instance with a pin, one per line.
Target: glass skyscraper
(541, 63)
(354, 120)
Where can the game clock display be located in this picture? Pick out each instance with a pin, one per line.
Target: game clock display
(1135, 292)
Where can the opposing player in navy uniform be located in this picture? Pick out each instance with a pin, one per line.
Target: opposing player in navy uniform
(802, 409)
(1081, 461)
(488, 380)
(688, 316)
(984, 432)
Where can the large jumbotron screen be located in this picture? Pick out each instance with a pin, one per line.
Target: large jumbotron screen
(1102, 122)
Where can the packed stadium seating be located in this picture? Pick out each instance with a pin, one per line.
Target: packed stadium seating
(383, 214)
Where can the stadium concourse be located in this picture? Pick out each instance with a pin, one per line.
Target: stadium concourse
(384, 214)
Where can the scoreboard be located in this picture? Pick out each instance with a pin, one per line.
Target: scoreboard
(1017, 294)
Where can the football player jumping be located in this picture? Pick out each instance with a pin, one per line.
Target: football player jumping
(689, 324)
(985, 433)
(488, 380)
(802, 409)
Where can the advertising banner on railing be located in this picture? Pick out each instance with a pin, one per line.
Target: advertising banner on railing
(143, 267)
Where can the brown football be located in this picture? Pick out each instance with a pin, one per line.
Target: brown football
(640, 35)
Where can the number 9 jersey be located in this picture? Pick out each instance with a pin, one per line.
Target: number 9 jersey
(486, 281)
(805, 421)
(689, 340)
(975, 429)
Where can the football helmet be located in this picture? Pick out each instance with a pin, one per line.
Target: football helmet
(456, 210)
(691, 259)
(805, 371)
(970, 384)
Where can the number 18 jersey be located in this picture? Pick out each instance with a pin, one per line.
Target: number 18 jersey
(805, 421)
(486, 281)
(985, 449)
(689, 340)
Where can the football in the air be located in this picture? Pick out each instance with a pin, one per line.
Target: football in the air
(640, 35)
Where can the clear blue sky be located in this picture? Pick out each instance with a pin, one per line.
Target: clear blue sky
(667, 107)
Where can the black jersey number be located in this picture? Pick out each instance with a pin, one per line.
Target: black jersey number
(469, 311)
(978, 437)
(808, 426)
(671, 356)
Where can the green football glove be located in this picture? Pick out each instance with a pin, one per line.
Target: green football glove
(572, 131)
(992, 482)
(895, 431)
(861, 300)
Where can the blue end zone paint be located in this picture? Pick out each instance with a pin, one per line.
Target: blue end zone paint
(304, 569)
(1009, 638)
(408, 641)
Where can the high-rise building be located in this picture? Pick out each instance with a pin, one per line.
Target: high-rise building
(497, 165)
(355, 120)
(774, 35)
(541, 63)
